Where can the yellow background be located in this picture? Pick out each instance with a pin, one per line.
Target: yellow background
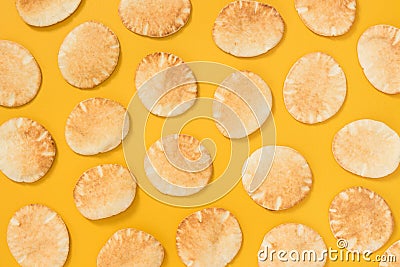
(56, 99)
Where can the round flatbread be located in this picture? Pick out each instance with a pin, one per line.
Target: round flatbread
(392, 256)
(242, 103)
(37, 236)
(166, 86)
(178, 165)
(379, 55)
(131, 247)
(104, 191)
(292, 237)
(46, 12)
(248, 28)
(27, 150)
(154, 18)
(362, 218)
(96, 125)
(209, 237)
(20, 77)
(315, 88)
(328, 17)
(88, 55)
(367, 148)
(287, 182)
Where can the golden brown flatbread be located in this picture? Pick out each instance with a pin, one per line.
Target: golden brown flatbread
(88, 55)
(328, 17)
(379, 55)
(46, 12)
(27, 150)
(96, 125)
(178, 165)
(104, 191)
(37, 236)
(287, 182)
(362, 218)
(20, 77)
(209, 237)
(131, 247)
(242, 103)
(290, 237)
(367, 148)
(315, 88)
(248, 28)
(166, 86)
(154, 18)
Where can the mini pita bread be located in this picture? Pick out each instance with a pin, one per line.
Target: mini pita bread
(392, 251)
(292, 237)
(248, 28)
(46, 12)
(131, 247)
(154, 18)
(362, 218)
(166, 86)
(379, 55)
(96, 125)
(209, 237)
(241, 104)
(315, 88)
(104, 191)
(88, 55)
(288, 181)
(178, 165)
(20, 75)
(367, 148)
(27, 150)
(37, 236)
(328, 17)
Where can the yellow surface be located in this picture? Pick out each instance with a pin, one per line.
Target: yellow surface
(56, 99)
